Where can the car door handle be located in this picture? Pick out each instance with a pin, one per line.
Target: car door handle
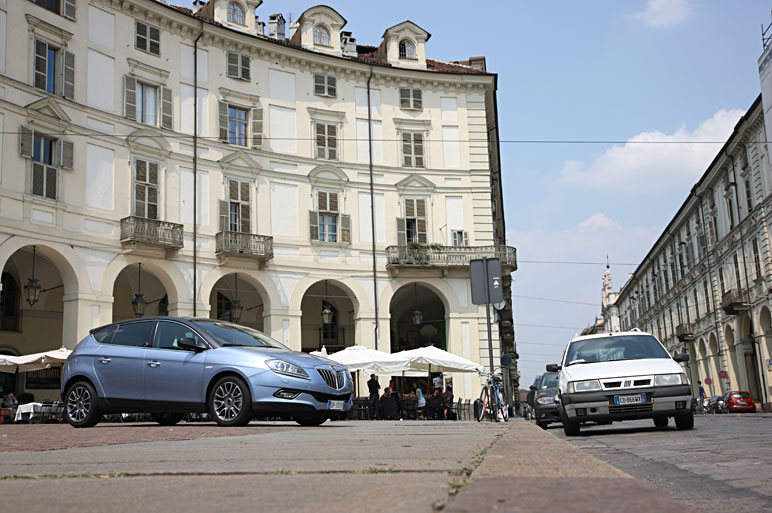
(104, 360)
(153, 364)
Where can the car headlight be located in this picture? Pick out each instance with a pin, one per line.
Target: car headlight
(547, 399)
(286, 368)
(583, 386)
(664, 380)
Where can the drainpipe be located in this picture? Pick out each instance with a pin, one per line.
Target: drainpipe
(195, 166)
(372, 205)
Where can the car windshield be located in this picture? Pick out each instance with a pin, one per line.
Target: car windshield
(229, 334)
(549, 380)
(612, 349)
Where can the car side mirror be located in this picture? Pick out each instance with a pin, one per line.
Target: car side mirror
(190, 344)
(681, 358)
(553, 367)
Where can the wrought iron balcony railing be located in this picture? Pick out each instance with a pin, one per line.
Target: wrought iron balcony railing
(259, 247)
(733, 302)
(448, 256)
(151, 232)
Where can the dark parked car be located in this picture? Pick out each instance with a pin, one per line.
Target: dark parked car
(169, 366)
(545, 406)
(714, 405)
(739, 401)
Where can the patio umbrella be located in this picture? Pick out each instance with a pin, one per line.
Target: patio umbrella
(432, 358)
(33, 362)
(371, 361)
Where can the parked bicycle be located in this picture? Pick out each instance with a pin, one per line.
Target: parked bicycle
(492, 401)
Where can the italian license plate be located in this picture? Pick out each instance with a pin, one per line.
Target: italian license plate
(630, 399)
(334, 405)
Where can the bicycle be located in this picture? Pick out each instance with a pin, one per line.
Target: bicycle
(492, 400)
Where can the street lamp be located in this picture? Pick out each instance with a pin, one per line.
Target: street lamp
(418, 316)
(32, 288)
(139, 303)
(236, 308)
(326, 310)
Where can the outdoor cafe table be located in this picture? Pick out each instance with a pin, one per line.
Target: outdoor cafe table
(30, 409)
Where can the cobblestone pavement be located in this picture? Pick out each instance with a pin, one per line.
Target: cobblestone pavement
(723, 464)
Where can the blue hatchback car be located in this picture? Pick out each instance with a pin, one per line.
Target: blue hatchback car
(169, 366)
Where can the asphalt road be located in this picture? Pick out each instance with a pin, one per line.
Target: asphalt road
(723, 464)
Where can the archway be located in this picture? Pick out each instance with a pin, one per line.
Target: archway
(418, 318)
(136, 284)
(329, 311)
(236, 298)
(749, 353)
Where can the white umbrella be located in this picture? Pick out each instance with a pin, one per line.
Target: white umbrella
(361, 358)
(434, 359)
(33, 362)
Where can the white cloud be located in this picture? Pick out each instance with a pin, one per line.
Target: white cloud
(664, 13)
(642, 165)
(599, 221)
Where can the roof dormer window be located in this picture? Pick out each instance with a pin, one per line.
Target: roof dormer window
(321, 36)
(236, 13)
(406, 49)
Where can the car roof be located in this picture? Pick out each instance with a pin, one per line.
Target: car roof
(158, 318)
(634, 332)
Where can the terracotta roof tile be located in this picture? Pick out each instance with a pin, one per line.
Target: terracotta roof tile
(451, 67)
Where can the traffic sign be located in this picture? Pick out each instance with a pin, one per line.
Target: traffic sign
(487, 286)
(708, 381)
(722, 374)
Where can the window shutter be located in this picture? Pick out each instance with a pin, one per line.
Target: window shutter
(154, 37)
(224, 215)
(66, 153)
(130, 97)
(332, 86)
(407, 149)
(313, 224)
(246, 219)
(26, 141)
(166, 108)
(404, 98)
(345, 229)
(257, 127)
(245, 66)
(38, 178)
(332, 142)
(322, 201)
(466, 239)
(233, 190)
(333, 201)
(51, 183)
(152, 175)
(418, 149)
(410, 207)
(41, 65)
(232, 69)
(69, 9)
(420, 207)
(321, 141)
(244, 190)
(401, 232)
(417, 102)
(421, 229)
(319, 85)
(223, 111)
(68, 88)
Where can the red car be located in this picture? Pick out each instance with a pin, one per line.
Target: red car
(739, 402)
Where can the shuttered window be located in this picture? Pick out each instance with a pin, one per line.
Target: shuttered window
(237, 65)
(236, 212)
(237, 126)
(412, 227)
(233, 122)
(64, 7)
(325, 85)
(326, 223)
(44, 173)
(148, 38)
(410, 98)
(460, 238)
(326, 141)
(413, 149)
(146, 189)
(54, 69)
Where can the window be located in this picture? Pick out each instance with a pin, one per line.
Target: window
(235, 211)
(413, 149)
(459, 238)
(321, 36)
(135, 334)
(64, 7)
(168, 335)
(326, 141)
(756, 258)
(706, 292)
(326, 222)
(237, 126)
(696, 304)
(142, 102)
(412, 227)
(325, 85)
(147, 104)
(235, 13)
(410, 98)
(146, 189)
(148, 38)
(238, 65)
(738, 281)
(406, 49)
(47, 155)
(49, 63)
(748, 194)
(721, 280)
(730, 210)
(687, 308)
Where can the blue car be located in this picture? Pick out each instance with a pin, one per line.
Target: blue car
(169, 366)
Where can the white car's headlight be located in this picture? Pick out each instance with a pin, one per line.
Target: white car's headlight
(664, 380)
(583, 386)
(286, 368)
(547, 399)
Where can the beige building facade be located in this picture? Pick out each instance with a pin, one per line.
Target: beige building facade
(189, 163)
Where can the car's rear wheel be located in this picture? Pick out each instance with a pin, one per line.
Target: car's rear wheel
(230, 402)
(80, 405)
(660, 422)
(685, 421)
(311, 420)
(167, 418)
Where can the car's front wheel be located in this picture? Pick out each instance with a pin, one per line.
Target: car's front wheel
(167, 418)
(230, 402)
(311, 420)
(570, 428)
(685, 421)
(660, 422)
(80, 405)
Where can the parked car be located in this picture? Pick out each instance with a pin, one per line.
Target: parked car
(714, 404)
(622, 376)
(545, 400)
(739, 402)
(170, 366)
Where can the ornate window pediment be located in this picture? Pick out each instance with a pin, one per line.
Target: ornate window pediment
(49, 111)
(149, 141)
(240, 160)
(415, 183)
(328, 176)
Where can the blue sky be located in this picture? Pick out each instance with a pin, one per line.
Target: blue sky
(601, 70)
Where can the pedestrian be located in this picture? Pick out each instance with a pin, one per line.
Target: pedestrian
(703, 397)
(447, 399)
(373, 386)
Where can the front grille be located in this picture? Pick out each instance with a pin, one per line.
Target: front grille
(612, 384)
(630, 408)
(323, 398)
(335, 379)
(641, 382)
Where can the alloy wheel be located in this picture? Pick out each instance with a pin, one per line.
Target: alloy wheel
(78, 403)
(228, 400)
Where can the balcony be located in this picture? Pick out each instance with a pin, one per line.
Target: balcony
(684, 332)
(139, 231)
(447, 257)
(258, 247)
(733, 302)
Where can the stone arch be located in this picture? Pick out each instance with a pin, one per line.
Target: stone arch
(765, 325)
(166, 272)
(342, 305)
(257, 279)
(348, 285)
(446, 294)
(435, 308)
(70, 266)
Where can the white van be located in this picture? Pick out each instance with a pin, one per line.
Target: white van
(622, 376)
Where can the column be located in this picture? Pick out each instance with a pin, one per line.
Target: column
(285, 326)
(81, 313)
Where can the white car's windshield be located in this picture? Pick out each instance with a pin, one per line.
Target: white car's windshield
(612, 349)
(229, 334)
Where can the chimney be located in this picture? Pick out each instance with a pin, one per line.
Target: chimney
(477, 63)
(197, 5)
(259, 26)
(276, 26)
(294, 26)
(348, 44)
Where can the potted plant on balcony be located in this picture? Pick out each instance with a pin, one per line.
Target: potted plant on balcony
(417, 252)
